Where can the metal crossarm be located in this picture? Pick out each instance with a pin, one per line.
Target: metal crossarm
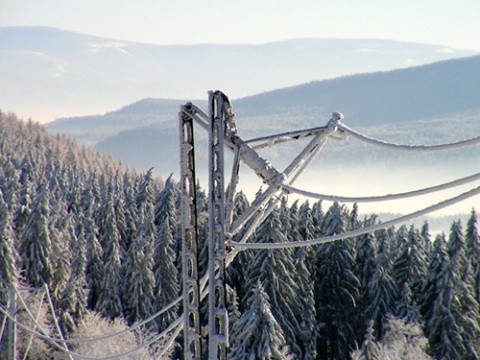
(222, 134)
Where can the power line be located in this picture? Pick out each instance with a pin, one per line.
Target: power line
(405, 147)
(55, 341)
(87, 340)
(387, 197)
(361, 231)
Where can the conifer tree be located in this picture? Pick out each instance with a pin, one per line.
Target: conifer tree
(472, 241)
(257, 334)
(8, 252)
(337, 289)
(353, 221)
(409, 269)
(427, 239)
(277, 273)
(72, 303)
(233, 307)
(167, 287)
(61, 239)
(308, 329)
(109, 303)
(10, 184)
(454, 323)
(365, 269)
(382, 289)
(369, 349)
(139, 280)
(94, 256)
(145, 197)
(165, 205)
(36, 247)
(236, 270)
(25, 203)
(306, 223)
(437, 263)
(317, 214)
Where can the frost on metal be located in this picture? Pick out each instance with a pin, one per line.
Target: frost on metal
(223, 134)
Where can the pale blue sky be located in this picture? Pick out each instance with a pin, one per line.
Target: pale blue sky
(445, 22)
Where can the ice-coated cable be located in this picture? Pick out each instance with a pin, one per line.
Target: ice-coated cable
(105, 337)
(55, 321)
(424, 191)
(361, 231)
(31, 335)
(169, 343)
(54, 341)
(406, 147)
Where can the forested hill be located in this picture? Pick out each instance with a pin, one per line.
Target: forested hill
(403, 95)
(106, 240)
(433, 103)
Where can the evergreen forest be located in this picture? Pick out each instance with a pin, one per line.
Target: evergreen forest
(105, 240)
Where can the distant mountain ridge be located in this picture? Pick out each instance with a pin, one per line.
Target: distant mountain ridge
(426, 104)
(54, 73)
(394, 96)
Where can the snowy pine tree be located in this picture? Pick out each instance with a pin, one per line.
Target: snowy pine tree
(109, 303)
(8, 252)
(167, 287)
(36, 247)
(365, 269)
(382, 289)
(454, 322)
(257, 335)
(472, 242)
(94, 256)
(409, 270)
(337, 289)
(277, 273)
(437, 263)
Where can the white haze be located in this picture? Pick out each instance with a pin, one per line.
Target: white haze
(370, 180)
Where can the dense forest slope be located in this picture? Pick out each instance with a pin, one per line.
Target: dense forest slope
(105, 239)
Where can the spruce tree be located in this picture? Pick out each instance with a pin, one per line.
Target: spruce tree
(454, 322)
(94, 256)
(236, 270)
(8, 252)
(276, 271)
(472, 241)
(167, 287)
(72, 304)
(437, 263)
(36, 247)
(337, 289)
(139, 280)
(109, 303)
(257, 334)
(365, 269)
(427, 239)
(409, 269)
(382, 289)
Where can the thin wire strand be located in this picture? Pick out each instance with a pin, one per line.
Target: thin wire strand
(405, 147)
(2, 328)
(54, 342)
(361, 231)
(387, 197)
(55, 321)
(132, 328)
(36, 320)
(170, 341)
